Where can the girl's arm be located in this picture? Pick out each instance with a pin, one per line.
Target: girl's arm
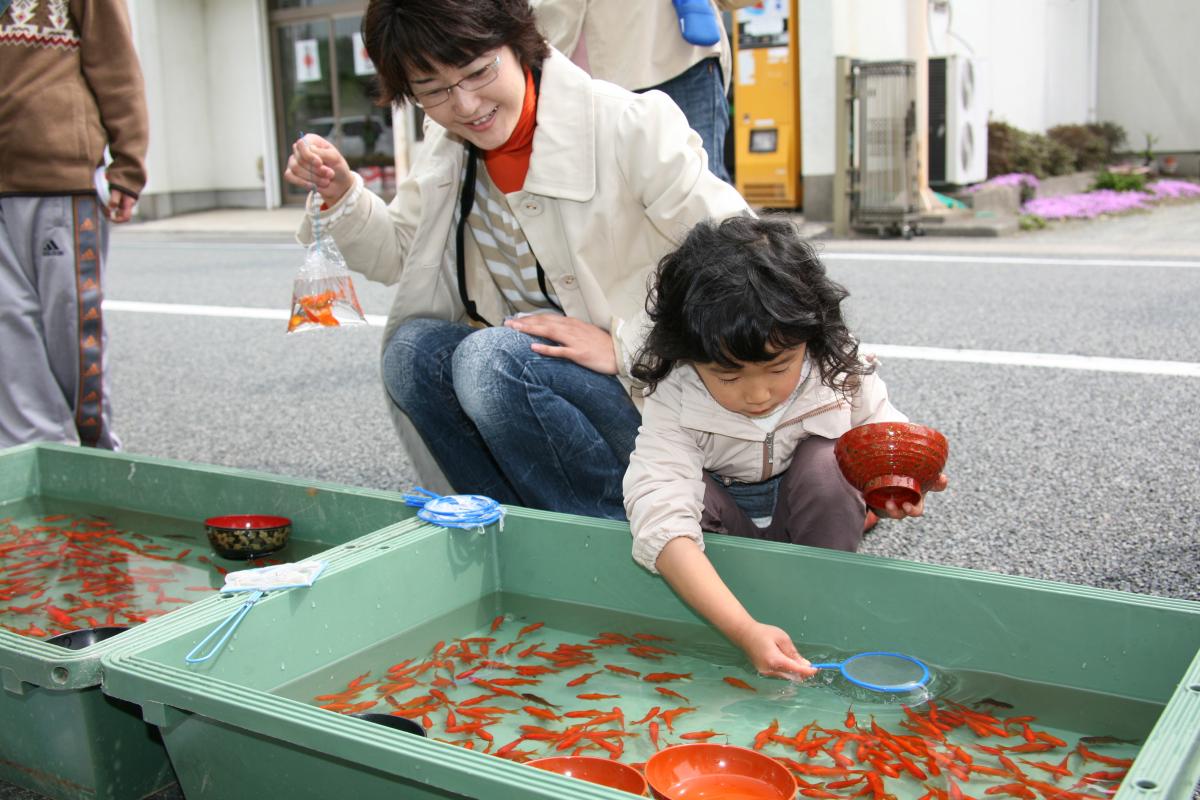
(664, 497)
(689, 572)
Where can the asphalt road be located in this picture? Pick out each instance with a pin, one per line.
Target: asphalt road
(1085, 475)
(1068, 471)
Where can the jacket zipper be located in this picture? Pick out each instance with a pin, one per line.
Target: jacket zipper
(769, 442)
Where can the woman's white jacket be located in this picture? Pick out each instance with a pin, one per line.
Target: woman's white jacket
(615, 182)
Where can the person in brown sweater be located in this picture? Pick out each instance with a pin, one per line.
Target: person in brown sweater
(72, 88)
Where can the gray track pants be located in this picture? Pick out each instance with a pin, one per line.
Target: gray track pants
(53, 376)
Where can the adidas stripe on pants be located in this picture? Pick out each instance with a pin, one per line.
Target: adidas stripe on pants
(53, 381)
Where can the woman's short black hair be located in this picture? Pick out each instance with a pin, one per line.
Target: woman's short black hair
(406, 35)
(735, 288)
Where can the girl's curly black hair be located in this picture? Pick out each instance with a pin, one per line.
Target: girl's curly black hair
(732, 289)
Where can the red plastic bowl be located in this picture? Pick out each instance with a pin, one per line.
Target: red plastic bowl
(612, 774)
(891, 460)
(709, 771)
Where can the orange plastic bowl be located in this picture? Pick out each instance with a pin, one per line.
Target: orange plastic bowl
(612, 774)
(891, 460)
(708, 771)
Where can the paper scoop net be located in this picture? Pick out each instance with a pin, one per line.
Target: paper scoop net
(256, 582)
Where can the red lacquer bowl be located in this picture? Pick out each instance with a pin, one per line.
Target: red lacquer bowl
(709, 771)
(612, 774)
(891, 460)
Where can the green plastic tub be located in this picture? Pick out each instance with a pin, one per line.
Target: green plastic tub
(1111, 666)
(59, 734)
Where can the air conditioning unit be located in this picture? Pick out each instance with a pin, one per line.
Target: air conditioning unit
(958, 116)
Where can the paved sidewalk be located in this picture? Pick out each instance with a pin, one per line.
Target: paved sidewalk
(1169, 230)
(224, 223)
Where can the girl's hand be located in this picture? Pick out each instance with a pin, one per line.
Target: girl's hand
(578, 341)
(772, 653)
(914, 509)
(317, 164)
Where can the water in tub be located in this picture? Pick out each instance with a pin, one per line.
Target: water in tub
(67, 565)
(522, 678)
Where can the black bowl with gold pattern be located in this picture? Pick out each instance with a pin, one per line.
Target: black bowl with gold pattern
(245, 536)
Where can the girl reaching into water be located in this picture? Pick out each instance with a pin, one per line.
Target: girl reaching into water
(751, 377)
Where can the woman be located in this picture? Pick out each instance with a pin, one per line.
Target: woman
(521, 243)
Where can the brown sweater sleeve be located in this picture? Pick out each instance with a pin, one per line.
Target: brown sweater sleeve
(111, 69)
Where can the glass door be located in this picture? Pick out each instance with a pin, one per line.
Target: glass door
(323, 85)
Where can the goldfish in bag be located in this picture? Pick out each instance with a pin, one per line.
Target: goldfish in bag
(323, 293)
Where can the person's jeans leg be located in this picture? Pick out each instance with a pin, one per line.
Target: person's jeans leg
(418, 375)
(722, 514)
(817, 507)
(561, 433)
(700, 94)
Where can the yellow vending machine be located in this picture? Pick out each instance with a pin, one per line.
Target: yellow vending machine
(766, 104)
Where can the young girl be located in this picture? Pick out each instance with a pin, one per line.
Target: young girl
(751, 377)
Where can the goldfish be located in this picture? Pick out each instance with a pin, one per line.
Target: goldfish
(669, 716)
(529, 629)
(662, 677)
(651, 714)
(541, 713)
(582, 679)
(670, 693)
(738, 683)
(533, 698)
(622, 670)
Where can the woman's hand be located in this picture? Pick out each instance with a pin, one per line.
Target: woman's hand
(772, 653)
(317, 164)
(578, 341)
(896, 511)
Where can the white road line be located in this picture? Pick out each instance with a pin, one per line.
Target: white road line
(944, 258)
(1052, 360)
(1138, 366)
(240, 312)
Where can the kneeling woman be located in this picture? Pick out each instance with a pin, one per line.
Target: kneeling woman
(521, 244)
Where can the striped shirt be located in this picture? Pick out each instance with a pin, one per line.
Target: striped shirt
(505, 250)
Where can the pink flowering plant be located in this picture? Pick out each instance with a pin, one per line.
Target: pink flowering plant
(1174, 188)
(1023, 180)
(1089, 205)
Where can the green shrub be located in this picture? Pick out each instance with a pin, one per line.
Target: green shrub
(1112, 134)
(1064, 148)
(1031, 222)
(1088, 149)
(1120, 182)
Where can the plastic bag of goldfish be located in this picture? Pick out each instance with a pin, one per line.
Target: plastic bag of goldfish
(323, 293)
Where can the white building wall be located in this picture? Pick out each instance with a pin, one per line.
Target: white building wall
(1148, 71)
(201, 61)
(237, 88)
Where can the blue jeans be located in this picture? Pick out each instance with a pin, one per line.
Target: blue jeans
(700, 94)
(505, 422)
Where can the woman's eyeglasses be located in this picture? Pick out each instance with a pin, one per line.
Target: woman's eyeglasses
(472, 83)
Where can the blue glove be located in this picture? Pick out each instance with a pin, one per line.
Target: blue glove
(698, 22)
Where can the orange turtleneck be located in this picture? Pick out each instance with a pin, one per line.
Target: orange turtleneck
(508, 163)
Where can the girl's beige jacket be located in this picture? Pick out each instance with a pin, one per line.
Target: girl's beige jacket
(685, 432)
